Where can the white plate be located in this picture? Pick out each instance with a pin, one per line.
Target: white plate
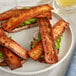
(34, 67)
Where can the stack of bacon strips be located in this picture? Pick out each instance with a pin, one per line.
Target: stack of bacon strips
(13, 53)
(45, 27)
(35, 12)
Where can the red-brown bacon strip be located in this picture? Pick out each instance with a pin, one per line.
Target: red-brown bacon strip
(36, 52)
(48, 41)
(14, 13)
(30, 13)
(11, 59)
(59, 28)
(13, 46)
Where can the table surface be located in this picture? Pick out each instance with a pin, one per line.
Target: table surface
(7, 4)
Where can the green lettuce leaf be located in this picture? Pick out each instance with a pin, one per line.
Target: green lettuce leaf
(1, 56)
(58, 43)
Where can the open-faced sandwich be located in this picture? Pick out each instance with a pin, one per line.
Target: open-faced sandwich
(45, 48)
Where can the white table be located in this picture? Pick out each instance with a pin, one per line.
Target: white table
(59, 70)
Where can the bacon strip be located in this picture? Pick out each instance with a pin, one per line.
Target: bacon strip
(59, 28)
(48, 41)
(8, 14)
(13, 46)
(12, 13)
(11, 59)
(30, 13)
(36, 52)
